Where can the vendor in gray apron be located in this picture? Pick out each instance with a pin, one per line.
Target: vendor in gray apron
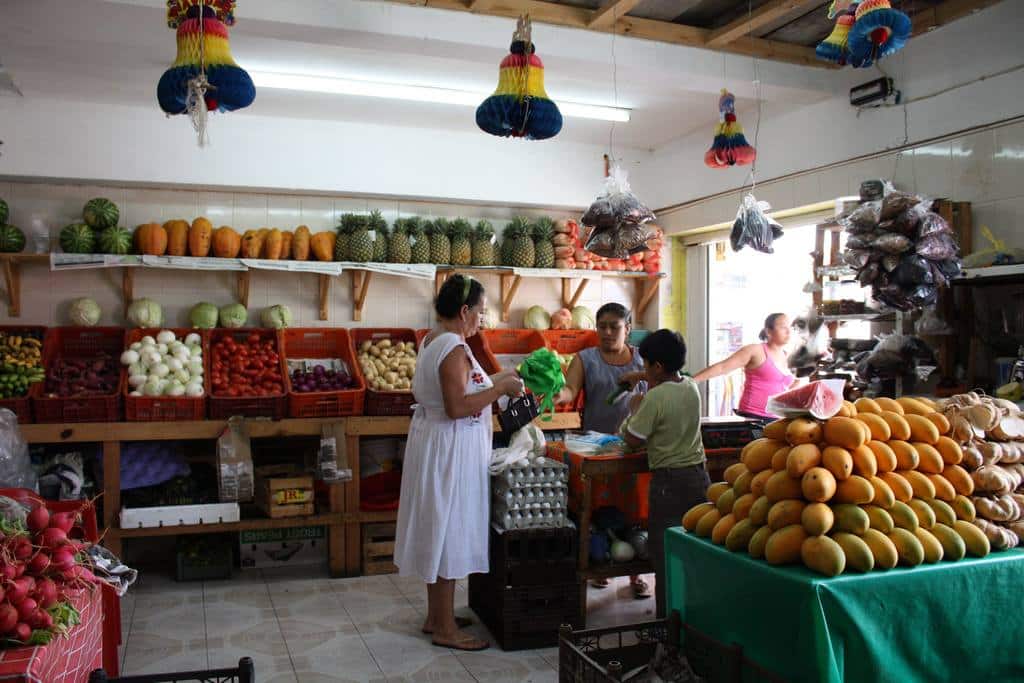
(599, 371)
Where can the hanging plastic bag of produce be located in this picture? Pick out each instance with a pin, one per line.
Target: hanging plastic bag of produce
(754, 227)
(931, 324)
(618, 220)
(15, 469)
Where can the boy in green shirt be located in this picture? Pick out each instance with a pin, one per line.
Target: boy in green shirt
(666, 422)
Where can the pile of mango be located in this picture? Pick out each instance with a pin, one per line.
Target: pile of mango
(21, 363)
(876, 486)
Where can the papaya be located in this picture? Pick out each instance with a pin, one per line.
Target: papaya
(964, 508)
(741, 508)
(286, 244)
(780, 457)
(932, 548)
(200, 237)
(866, 406)
(321, 245)
(716, 490)
(922, 429)
(742, 483)
(722, 529)
(900, 487)
(844, 432)
(838, 461)
(694, 514)
(943, 489)
(802, 458)
(783, 546)
(272, 245)
(758, 541)
(177, 237)
(950, 451)
(758, 513)
(858, 555)
(785, 513)
(898, 427)
(882, 548)
(908, 548)
(974, 538)
(943, 512)
(903, 516)
(757, 455)
(758, 482)
(803, 430)
(776, 430)
(888, 404)
(878, 427)
(962, 482)
(879, 519)
(922, 486)
(929, 459)
(151, 239)
(732, 472)
(884, 497)
(226, 243)
(851, 518)
(707, 523)
(907, 457)
(781, 487)
(885, 459)
(823, 555)
(924, 512)
(725, 501)
(300, 244)
(847, 409)
(818, 485)
(953, 547)
(856, 490)
(912, 406)
(817, 519)
(739, 536)
(864, 462)
(252, 244)
(940, 422)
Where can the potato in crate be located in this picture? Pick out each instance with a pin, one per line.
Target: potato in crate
(387, 358)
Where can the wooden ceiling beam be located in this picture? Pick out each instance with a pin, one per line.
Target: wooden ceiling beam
(610, 12)
(946, 13)
(762, 16)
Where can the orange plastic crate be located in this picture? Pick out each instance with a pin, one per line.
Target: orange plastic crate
(385, 402)
(274, 406)
(323, 342)
(167, 408)
(21, 406)
(478, 345)
(79, 342)
(513, 341)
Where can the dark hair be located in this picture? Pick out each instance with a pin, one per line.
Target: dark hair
(617, 310)
(666, 347)
(456, 292)
(769, 323)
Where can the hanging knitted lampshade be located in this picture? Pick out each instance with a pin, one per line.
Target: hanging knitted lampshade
(204, 68)
(730, 147)
(834, 47)
(879, 31)
(519, 106)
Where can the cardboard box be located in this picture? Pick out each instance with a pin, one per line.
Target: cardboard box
(299, 546)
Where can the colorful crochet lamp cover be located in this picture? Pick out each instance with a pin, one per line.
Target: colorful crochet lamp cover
(519, 106)
(202, 48)
(730, 146)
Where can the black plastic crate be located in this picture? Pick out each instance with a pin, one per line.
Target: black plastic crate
(204, 558)
(525, 557)
(524, 617)
(243, 673)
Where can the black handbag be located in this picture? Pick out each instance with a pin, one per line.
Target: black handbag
(519, 413)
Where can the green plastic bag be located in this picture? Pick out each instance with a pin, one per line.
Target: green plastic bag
(542, 374)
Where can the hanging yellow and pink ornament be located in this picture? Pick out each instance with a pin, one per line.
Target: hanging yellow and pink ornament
(730, 146)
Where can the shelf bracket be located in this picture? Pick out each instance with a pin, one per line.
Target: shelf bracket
(325, 295)
(569, 298)
(360, 286)
(509, 287)
(127, 288)
(646, 289)
(12, 278)
(440, 277)
(243, 288)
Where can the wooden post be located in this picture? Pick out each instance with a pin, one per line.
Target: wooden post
(325, 295)
(243, 288)
(647, 287)
(360, 286)
(571, 298)
(353, 530)
(112, 495)
(127, 288)
(509, 294)
(12, 277)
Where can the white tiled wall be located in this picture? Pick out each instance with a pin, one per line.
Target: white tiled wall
(42, 209)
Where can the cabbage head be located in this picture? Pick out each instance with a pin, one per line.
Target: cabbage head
(277, 316)
(204, 315)
(583, 318)
(84, 312)
(233, 315)
(145, 313)
(536, 318)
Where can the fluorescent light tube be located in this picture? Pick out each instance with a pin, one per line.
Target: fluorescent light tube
(415, 93)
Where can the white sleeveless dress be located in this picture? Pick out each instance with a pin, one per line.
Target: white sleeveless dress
(443, 511)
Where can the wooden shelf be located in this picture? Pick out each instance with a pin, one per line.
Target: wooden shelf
(323, 519)
(991, 276)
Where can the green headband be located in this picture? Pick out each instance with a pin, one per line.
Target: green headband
(467, 285)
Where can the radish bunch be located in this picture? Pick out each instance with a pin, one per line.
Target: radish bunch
(38, 568)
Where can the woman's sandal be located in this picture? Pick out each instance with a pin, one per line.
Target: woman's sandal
(460, 622)
(465, 644)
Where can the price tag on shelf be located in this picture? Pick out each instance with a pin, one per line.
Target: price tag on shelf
(192, 263)
(84, 261)
(321, 267)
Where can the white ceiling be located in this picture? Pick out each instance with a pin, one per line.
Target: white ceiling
(114, 51)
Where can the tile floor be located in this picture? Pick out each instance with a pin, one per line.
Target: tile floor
(317, 630)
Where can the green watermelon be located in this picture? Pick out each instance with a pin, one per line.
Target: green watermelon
(77, 238)
(115, 240)
(12, 239)
(100, 213)
(3, 212)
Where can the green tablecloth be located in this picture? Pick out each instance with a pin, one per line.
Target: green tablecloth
(952, 621)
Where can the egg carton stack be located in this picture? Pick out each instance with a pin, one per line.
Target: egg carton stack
(531, 495)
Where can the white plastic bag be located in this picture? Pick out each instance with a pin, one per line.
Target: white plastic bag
(15, 469)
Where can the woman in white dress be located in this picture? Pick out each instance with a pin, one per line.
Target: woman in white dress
(443, 511)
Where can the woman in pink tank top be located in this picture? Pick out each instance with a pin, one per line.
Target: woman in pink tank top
(764, 366)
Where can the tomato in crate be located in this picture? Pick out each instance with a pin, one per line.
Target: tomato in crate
(247, 374)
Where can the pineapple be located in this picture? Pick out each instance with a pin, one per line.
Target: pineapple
(399, 249)
(360, 246)
(440, 244)
(518, 249)
(462, 253)
(341, 250)
(483, 248)
(380, 239)
(420, 251)
(544, 251)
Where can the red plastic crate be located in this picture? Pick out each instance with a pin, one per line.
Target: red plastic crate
(385, 402)
(275, 406)
(22, 405)
(167, 408)
(570, 341)
(478, 345)
(323, 342)
(513, 341)
(79, 342)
